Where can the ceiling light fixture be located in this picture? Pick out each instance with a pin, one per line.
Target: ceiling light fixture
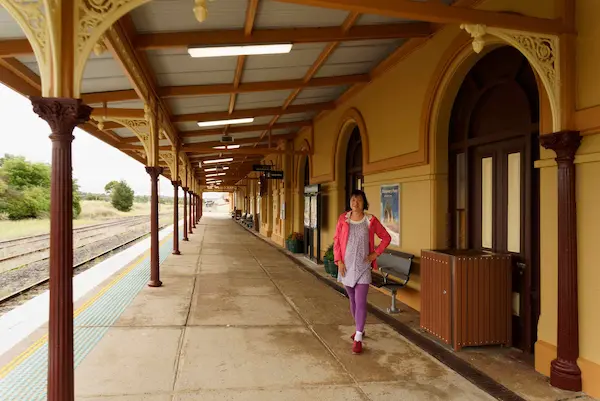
(242, 50)
(225, 122)
(227, 159)
(227, 147)
(216, 169)
(215, 175)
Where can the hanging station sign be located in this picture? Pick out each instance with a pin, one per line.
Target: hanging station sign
(274, 175)
(261, 167)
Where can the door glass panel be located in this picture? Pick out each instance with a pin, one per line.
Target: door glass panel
(461, 202)
(487, 178)
(514, 203)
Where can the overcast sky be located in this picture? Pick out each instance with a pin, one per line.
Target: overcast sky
(95, 163)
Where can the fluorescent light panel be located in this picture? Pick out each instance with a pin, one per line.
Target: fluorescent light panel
(216, 169)
(215, 175)
(227, 159)
(243, 50)
(227, 147)
(225, 122)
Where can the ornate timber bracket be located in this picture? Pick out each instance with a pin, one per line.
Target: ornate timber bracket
(170, 159)
(542, 52)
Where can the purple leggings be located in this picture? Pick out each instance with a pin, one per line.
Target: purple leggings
(358, 304)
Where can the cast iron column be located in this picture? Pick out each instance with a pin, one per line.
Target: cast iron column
(154, 251)
(176, 218)
(185, 223)
(194, 208)
(564, 372)
(63, 115)
(190, 215)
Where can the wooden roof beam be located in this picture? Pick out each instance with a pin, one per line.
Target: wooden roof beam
(269, 111)
(221, 89)
(194, 148)
(244, 141)
(437, 12)
(112, 96)
(165, 40)
(15, 48)
(245, 128)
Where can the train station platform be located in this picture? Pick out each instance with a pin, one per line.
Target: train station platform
(235, 319)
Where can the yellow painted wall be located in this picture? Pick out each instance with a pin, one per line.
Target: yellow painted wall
(392, 107)
(588, 53)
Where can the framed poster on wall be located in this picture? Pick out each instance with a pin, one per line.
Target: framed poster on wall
(307, 211)
(390, 211)
(313, 212)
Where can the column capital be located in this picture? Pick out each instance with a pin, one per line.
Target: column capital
(175, 183)
(185, 188)
(61, 114)
(154, 172)
(563, 143)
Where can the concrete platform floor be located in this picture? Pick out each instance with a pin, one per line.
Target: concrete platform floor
(237, 320)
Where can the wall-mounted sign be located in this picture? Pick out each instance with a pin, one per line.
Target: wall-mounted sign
(261, 167)
(390, 211)
(312, 189)
(274, 175)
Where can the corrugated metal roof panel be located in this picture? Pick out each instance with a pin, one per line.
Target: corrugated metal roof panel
(178, 15)
(257, 100)
(164, 142)
(301, 55)
(123, 132)
(9, 27)
(103, 73)
(371, 19)
(198, 104)
(296, 117)
(319, 95)
(272, 14)
(343, 69)
(176, 68)
(358, 57)
(273, 74)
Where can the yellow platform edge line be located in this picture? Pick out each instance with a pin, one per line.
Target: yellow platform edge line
(6, 369)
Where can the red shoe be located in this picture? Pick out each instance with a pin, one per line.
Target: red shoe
(357, 347)
(353, 334)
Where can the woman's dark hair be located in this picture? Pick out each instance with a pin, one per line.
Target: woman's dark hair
(358, 192)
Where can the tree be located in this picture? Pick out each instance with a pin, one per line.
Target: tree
(21, 174)
(121, 195)
(108, 188)
(25, 189)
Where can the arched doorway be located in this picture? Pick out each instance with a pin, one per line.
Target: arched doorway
(354, 165)
(493, 142)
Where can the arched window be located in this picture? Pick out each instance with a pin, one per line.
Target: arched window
(354, 165)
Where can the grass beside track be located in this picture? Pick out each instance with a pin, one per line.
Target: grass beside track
(92, 212)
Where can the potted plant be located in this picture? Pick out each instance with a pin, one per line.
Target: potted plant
(295, 242)
(328, 260)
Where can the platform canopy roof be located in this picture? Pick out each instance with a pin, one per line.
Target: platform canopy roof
(338, 47)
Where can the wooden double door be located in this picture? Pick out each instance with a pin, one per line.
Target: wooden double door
(494, 202)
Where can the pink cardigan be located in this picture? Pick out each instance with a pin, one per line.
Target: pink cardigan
(342, 231)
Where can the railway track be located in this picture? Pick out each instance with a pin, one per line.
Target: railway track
(21, 293)
(22, 251)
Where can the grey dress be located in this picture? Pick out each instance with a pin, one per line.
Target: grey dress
(358, 271)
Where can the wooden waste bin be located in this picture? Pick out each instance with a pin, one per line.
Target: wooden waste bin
(466, 297)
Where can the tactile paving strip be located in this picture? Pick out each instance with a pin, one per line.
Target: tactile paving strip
(25, 378)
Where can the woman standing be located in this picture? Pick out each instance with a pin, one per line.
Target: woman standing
(355, 255)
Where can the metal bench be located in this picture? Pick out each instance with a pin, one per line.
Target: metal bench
(397, 265)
